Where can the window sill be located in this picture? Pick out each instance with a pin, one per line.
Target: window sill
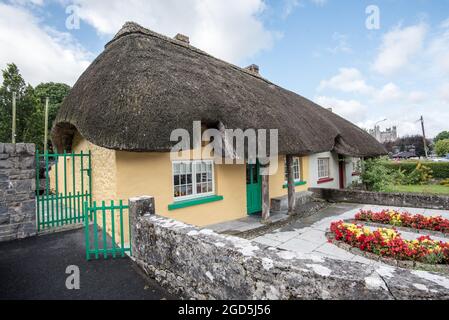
(193, 202)
(297, 184)
(325, 180)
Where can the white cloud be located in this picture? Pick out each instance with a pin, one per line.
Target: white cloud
(231, 30)
(347, 80)
(41, 53)
(289, 7)
(439, 51)
(28, 2)
(398, 47)
(443, 92)
(417, 97)
(341, 44)
(389, 92)
(351, 110)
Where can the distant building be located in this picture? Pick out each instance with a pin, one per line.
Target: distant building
(390, 134)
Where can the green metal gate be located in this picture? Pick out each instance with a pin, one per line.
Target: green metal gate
(63, 185)
(109, 234)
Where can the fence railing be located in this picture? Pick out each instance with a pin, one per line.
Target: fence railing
(109, 234)
(63, 184)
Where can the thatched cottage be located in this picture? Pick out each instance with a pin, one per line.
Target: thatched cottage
(145, 85)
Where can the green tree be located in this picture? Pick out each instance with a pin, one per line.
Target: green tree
(56, 92)
(376, 176)
(26, 103)
(30, 106)
(441, 136)
(442, 148)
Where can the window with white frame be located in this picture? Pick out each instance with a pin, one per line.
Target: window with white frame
(323, 168)
(296, 170)
(193, 179)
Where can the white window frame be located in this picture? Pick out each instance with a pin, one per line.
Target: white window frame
(328, 168)
(194, 195)
(299, 169)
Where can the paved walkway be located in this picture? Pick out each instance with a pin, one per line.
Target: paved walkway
(35, 269)
(307, 236)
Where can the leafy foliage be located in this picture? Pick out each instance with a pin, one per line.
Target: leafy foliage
(30, 112)
(441, 136)
(440, 169)
(421, 175)
(376, 176)
(442, 148)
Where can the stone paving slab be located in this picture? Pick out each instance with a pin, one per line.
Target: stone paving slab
(307, 236)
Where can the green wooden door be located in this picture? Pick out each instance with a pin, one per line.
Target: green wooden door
(253, 189)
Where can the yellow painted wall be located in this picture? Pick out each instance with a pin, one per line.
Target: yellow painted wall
(103, 171)
(151, 174)
(118, 175)
(277, 181)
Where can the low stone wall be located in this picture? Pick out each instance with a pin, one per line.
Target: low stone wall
(200, 264)
(17, 196)
(413, 200)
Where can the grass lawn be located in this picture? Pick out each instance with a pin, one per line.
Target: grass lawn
(432, 189)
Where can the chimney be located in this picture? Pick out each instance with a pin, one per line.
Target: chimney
(182, 38)
(253, 69)
(330, 109)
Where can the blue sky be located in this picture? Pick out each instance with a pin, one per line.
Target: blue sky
(320, 49)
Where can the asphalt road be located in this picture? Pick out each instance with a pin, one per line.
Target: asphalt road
(35, 269)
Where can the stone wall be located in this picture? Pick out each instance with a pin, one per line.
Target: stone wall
(17, 196)
(200, 264)
(413, 200)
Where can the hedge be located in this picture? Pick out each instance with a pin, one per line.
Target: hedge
(440, 169)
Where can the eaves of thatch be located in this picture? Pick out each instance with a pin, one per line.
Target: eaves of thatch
(145, 85)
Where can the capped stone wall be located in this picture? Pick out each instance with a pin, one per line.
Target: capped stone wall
(200, 264)
(17, 191)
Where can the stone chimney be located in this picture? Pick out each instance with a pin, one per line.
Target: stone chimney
(182, 38)
(253, 69)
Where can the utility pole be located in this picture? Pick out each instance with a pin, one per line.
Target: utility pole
(13, 139)
(424, 136)
(47, 100)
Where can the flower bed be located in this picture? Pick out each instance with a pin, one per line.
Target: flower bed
(405, 219)
(389, 243)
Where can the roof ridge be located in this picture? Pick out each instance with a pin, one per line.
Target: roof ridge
(131, 27)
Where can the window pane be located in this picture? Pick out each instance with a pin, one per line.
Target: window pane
(184, 174)
(189, 190)
(176, 168)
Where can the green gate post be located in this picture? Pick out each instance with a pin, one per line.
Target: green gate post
(86, 229)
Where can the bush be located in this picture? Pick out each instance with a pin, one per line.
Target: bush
(440, 169)
(376, 176)
(445, 182)
(421, 175)
(442, 148)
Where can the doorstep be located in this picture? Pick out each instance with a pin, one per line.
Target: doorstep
(248, 224)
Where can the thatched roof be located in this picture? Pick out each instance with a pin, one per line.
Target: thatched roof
(145, 85)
